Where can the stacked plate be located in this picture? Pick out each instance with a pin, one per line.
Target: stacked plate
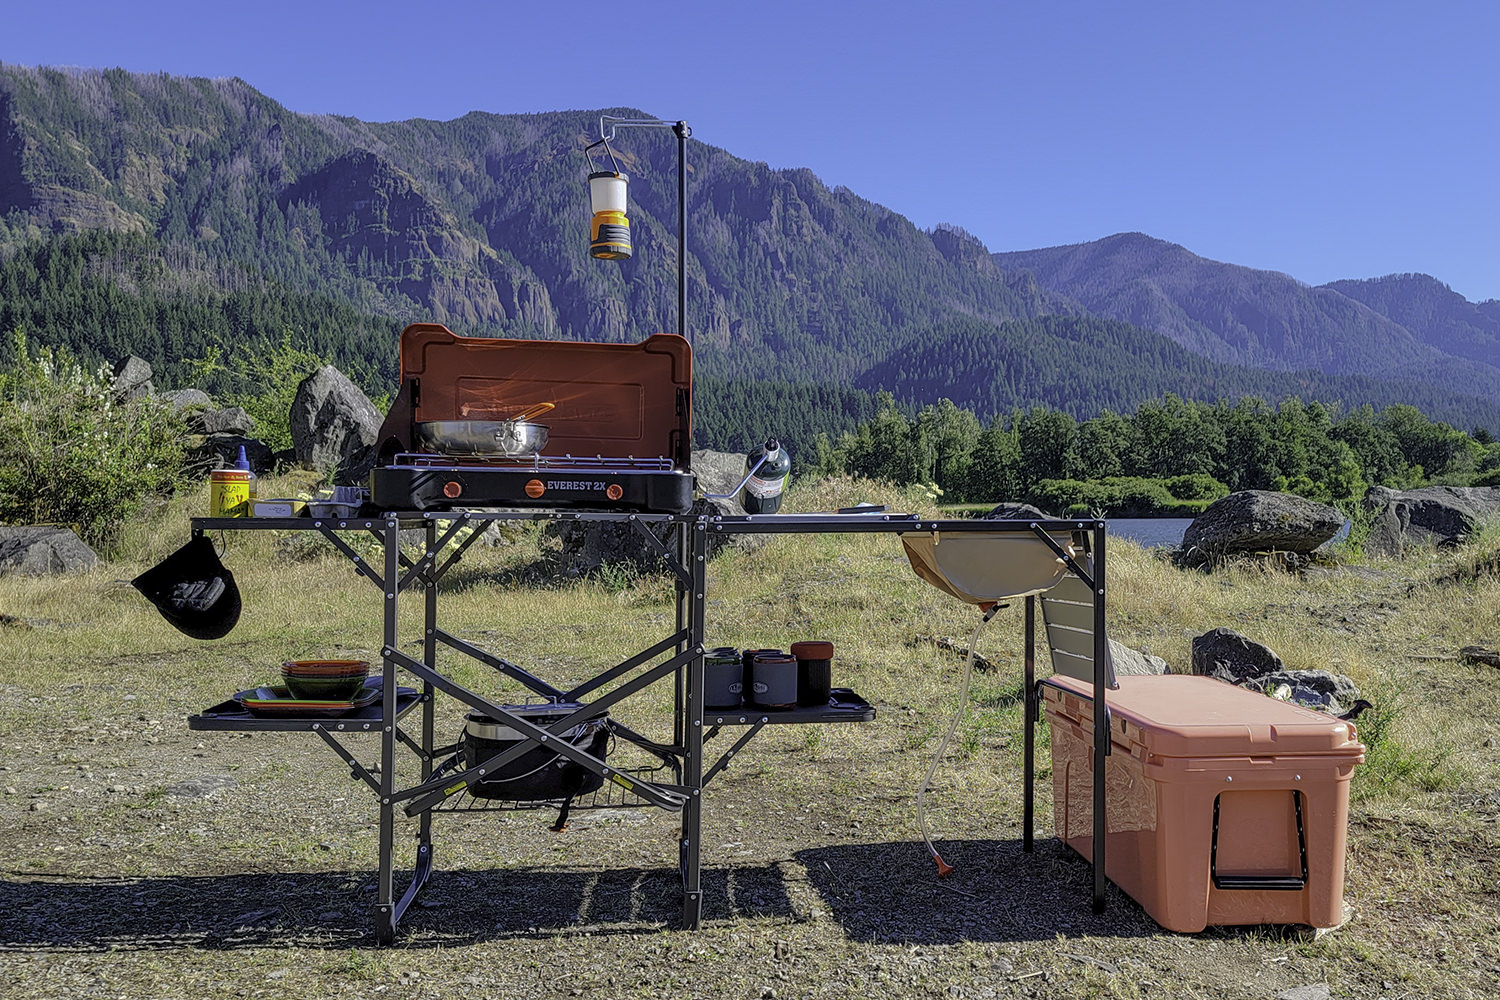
(325, 680)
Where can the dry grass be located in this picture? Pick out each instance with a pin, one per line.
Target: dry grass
(816, 879)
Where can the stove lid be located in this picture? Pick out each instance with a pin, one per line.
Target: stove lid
(612, 400)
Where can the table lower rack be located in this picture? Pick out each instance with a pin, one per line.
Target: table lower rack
(610, 795)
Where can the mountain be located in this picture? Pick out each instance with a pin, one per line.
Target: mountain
(1433, 312)
(171, 217)
(1082, 365)
(1270, 320)
(481, 222)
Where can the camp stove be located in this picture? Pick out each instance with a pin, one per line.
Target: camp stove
(619, 431)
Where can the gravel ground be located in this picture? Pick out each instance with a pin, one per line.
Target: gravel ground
(145, 860)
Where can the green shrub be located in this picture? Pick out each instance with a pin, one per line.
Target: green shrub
(70, 453)
(1123, 496)
(263, 380)
(1198, 486)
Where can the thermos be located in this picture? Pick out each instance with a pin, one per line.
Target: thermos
(773, 679)
(814, 672)
(762, 492)
(723, 678)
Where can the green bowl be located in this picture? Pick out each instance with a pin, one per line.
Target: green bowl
(324, 688)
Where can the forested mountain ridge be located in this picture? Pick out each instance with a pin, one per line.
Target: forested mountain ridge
(1266, 319)
(1433, 312)
(168, 216)
(481, 222)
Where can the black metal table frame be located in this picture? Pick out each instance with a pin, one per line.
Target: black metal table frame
(682, 543)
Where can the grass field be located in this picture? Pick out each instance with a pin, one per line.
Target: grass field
(145, 860)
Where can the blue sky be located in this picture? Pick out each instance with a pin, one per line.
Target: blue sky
(1323, 139)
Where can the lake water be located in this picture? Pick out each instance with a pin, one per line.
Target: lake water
(1166, 532)
(1150, 532)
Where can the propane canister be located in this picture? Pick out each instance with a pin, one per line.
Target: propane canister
(762, 492)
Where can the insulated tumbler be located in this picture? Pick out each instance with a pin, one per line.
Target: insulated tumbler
(814, 672)
(773, 679)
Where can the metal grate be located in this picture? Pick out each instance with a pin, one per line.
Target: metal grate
(609, 796)
(422, 460)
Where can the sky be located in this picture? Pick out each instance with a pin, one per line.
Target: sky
(1325, 140)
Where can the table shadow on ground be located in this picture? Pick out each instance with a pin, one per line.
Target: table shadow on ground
(336, 909)
(891, 892)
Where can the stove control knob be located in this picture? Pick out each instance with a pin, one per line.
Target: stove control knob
(614, 492)
(452, 490)
(535, 488)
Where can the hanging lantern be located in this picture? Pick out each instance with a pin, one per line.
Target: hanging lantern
(609, 234)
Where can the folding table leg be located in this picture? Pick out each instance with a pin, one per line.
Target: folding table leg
(693, 549)
(386, 914)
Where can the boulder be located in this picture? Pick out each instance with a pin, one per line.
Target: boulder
(719, 472)
(1018, 512)
(132, 379)
(42, 551)
(1229, 656)
(220, 451)
(187, 399)
(1258, 521)
(334, 426)
(229, 420)
(588, 546)
(1316, 689)
(1136, 661)
(1434, 515)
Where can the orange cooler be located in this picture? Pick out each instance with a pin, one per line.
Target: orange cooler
(1224, 806)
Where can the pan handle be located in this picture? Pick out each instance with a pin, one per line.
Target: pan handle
(534, 411)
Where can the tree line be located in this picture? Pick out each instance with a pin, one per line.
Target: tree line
(1170, 455)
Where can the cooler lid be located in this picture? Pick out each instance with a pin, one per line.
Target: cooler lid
(1182, 715)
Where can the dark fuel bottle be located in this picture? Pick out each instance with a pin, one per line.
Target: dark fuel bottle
(762, 492)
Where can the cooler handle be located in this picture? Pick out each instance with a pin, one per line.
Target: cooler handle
(1286, 883)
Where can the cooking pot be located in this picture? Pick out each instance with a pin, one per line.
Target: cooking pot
(514, 438)
(539, 774)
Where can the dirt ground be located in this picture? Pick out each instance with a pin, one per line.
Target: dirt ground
(142, 859)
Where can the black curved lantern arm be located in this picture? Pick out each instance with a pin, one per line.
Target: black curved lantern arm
(607, 126)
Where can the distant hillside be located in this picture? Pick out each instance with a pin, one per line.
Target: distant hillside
(1433, 312)
(170, 217)
(481, 222)
(1260, 318)
(1082, 365)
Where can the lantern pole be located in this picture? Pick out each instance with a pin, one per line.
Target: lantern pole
(607, 126)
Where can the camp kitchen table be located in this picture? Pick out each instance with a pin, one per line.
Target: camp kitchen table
(417, 777)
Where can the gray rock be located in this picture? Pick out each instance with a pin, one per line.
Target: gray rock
(132, 379)
(1229, 656)
(1319, 689)
(1480, 656)
(589, 546)
(187, 399)
(43, 551)
(1136, 661)
(202, 787)
(1018, 512)
(1257, 521)
(1434, 515)
(586, 547)
(229, 420)
(220, 451)
(334, 426)
(719, 472)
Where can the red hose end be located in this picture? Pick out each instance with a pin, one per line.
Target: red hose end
(944, 868)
